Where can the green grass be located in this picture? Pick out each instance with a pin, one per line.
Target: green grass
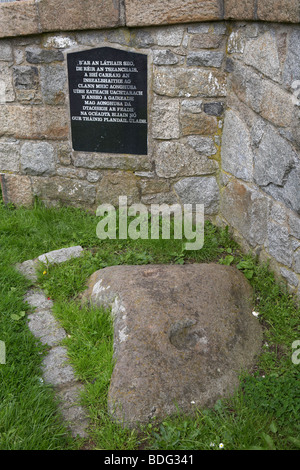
(263, 413)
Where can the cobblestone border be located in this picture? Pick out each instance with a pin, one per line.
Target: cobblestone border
(57, 371)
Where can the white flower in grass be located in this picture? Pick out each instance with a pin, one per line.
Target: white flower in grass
(255, 313)
(212, 444)
(221, 445)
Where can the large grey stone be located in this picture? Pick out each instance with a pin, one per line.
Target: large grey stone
(248, 86)
(75, 15)
(37, 122)
(58, 190)
(236, 42)
(277, 11)
(170, 36)
(199, 190)
(191, 106)
(294, 223)
(291, 71)
(182, 334)
(112, 162)
(28, 268)
(6, 50)
(159, 198)
(143, 38)
(150, 184)
(57, 369)
(297, 262)
(278, 213)
(205, 59)
(202, 28)
(234, 9)
(119, 36)
(265, 97)
(165, 57)
(273, 159)
(199, 124)
(115, 184)
(38, 158)
(7, 89)
(190, 82)
(19, 18)
(156, 12)
(45, 327)
(205, 41)
(214, 109)
(70, 172)
(262, 53)
(16, 189)
(277, 105)
(203, 145)
(53, 84)
(279, 245)
(176, 159)
(291, 277)
(90, 38)
(237, 157)
(165, 119)
(289, 193)
(26, 77)
(59, 41)
(62, 255)
(246, 210)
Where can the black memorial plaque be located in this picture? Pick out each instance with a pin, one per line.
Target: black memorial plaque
(108, 101)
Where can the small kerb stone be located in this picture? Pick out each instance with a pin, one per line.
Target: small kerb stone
(62, 255)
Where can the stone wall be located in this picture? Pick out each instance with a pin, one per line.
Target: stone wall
(260, 155)
(223, 112)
